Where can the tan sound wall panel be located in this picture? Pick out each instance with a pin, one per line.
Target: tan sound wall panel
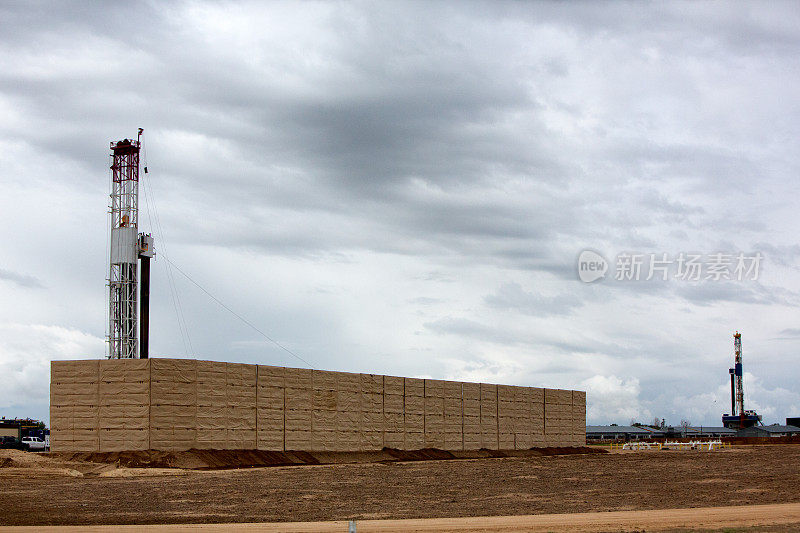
(74, 405)
(578, 418)
(173, 404)
(123, 415)
(179, 404)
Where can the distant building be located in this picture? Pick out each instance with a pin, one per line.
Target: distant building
(628, 433)
(11, 428)
(774, 430)
(706, 432)
(21, 427)
(622, 433)
(793, 421)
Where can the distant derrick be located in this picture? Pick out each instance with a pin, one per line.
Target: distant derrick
(738, 418)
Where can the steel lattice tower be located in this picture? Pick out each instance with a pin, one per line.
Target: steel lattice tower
(737, 348)
(738, 417)
(122, 283)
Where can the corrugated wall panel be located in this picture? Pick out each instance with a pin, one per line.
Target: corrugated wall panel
(174, 404)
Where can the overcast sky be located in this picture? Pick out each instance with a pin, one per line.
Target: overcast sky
(405, 188)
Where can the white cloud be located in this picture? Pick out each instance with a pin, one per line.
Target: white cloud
(26, 351)
(775, 404)
(613, 399)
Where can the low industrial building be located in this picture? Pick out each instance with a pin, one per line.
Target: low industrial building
(621, 433)
(706, 432)
(22, 427)
(773, 430)
(634, 433)
(11, 428)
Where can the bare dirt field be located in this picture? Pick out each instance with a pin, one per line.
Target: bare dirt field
(751, 518)
(41, 490)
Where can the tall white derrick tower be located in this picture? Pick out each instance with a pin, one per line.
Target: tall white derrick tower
(127, 247)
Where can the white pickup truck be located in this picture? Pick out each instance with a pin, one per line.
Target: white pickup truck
(34, 443)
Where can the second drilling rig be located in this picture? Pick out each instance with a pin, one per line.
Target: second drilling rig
(738, 417)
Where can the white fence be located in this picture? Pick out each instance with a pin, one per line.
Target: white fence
(708, 445)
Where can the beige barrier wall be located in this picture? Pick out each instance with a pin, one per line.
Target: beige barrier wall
(178, 404)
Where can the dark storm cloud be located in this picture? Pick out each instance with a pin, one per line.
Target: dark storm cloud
(788, 256)
(512, 296)
(710, 292)
(504, 336)
(22, 280)
(382, 119)
(789, 333)
(377, 113)
(508, 338)
(366, 133)
(473, 329)
(434, 120)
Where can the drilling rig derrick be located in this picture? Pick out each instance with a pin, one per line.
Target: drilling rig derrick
(738, 418)
(128, 246)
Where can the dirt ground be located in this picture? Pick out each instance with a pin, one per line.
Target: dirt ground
(226, 459)
(751, 518)
(40, 490)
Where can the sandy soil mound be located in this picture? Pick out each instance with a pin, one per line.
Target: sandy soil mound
(229, 459)
(31, 464)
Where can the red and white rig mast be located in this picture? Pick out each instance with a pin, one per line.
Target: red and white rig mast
(127, 247)
(738, 418)
(737, 370)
